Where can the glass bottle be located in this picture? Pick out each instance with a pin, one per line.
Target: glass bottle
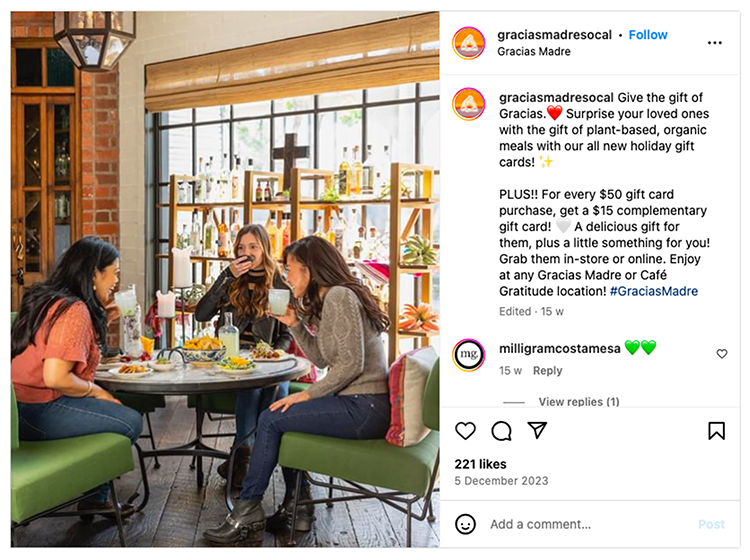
(236, 226)
(210, 235)
(356, 188)
(273, 234)
(286, 235)
(267, 192)
(331, 233)
(200, 184)
(223, 236)
(340, 235)
(372, 244)
(368, 173)
(229, 335)
(319, 231)
(210, 180)
(183, 238)
(224, 192)
(345, 176)
(258, 192)
(237, 179)
(195, 235)
(131, 325)
(385, 168)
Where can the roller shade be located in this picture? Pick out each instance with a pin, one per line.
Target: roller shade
(379, 54)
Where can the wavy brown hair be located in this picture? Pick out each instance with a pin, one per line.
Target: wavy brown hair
(328, 269)
(247, 302)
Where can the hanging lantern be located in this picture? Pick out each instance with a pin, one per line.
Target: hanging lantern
(95, 41)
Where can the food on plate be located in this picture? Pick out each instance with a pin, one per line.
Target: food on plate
(235, 362)
(264, 351)
(133, 369)
(163, 360)
(203, 343)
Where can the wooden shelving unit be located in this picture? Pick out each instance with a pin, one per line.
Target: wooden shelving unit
(399, 229)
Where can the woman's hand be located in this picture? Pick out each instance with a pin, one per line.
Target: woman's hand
(289, 318)
(99, 393)
(240, 266)
(286, 402)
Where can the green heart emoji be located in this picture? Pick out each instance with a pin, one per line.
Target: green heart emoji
(632, 346)
(648, 347)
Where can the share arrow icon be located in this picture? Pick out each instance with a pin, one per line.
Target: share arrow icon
(538, 428)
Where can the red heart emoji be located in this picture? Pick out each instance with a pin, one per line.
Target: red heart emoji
(554, 112)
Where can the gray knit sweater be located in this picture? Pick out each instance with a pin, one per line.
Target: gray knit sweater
(348, 344)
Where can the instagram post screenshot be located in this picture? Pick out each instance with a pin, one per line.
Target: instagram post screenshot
(396, 276)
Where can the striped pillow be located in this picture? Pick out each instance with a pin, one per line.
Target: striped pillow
(406, 383)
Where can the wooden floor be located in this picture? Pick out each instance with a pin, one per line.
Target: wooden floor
(178, 512)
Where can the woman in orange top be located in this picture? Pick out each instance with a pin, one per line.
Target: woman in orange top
(55, 349)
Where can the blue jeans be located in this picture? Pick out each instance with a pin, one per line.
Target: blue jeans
(249, 406)
(346, 417)
(72, 417)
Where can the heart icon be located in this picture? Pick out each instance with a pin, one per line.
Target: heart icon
(632, 346)
(563, 225)
(554, 111)
(648, 347)
(721, 353)
(465, 429)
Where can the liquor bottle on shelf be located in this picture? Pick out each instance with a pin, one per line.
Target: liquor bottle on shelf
(345, 176)
(183, 238)
(183, 192)
(360, 245)
(195, 235)
(385, 168)
(357, 173)
(229, 335)
(350, 237)
(223, 184)
(267, 191)
(331, 233)
(200, 184)
(372, 245)
(210, 180)
(209, 278)
(258, 192)
(340, 235)
(237, 179)
(273, 235)
(236, 226)
(368, 173)
(223, 236)
(286, 233)
(210, 235)
(319, 230)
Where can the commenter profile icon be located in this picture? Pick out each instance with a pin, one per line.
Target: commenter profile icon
(468, 355)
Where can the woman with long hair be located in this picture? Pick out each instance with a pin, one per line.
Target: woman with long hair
(350, 402)
(242, 289)
(56, 344)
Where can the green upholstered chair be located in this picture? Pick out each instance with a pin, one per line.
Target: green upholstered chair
(409, 471)
(48, 476)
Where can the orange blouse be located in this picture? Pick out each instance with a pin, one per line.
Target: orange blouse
(71, 338)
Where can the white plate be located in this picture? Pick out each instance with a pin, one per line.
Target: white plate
(239, 371)
(116, 373)
(281, 358)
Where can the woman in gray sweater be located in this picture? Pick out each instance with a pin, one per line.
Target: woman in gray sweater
(350, 402)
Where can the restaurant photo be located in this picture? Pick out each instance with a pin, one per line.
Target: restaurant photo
(225, 282)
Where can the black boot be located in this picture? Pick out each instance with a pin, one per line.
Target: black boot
(245, 524)
(239, 468)
(281, 521)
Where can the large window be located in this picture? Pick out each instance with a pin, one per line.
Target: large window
(404, 117)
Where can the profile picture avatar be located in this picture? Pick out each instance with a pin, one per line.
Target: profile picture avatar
(468, 355)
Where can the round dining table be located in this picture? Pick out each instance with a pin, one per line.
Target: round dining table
(184, 379)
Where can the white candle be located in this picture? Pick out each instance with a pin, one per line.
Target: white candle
(166, 304)
(181, 266)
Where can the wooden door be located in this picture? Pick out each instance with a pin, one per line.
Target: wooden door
(29, 232)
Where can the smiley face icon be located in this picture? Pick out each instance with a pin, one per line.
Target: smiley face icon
(465, 524)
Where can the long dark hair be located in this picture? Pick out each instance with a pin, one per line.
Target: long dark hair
(247, 302)
(71, 282)
(328, 269)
